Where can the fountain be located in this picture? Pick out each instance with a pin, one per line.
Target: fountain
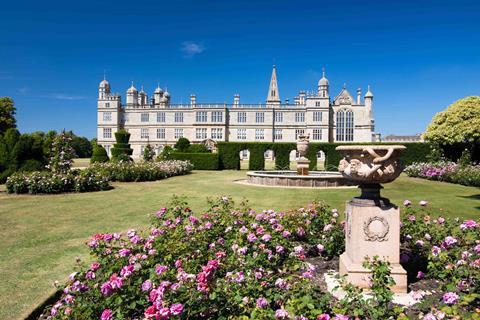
(302, 177)
(372, 222)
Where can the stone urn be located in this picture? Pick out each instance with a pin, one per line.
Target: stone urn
(372, 222)
(303, 163)
(369, 166)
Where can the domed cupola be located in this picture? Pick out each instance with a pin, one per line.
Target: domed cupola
(132, 95)
(323, 85)
(103, 89)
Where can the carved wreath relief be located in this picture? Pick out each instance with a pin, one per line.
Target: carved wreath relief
(376, 229)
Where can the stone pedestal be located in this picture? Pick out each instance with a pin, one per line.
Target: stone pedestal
(303, 165)
(372, 229)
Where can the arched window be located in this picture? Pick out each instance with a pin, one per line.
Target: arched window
(345, 125)
(349, 125)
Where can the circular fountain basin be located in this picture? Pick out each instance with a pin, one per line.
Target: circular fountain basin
(288, 178)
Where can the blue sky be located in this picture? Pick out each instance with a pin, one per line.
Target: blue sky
(418, 56)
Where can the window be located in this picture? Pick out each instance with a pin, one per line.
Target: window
(242, 134)
(201, 116)
(278, 134)
(298, 133)
(107, 105)
(217, 133)
(317, 103)
(178, 117)
(260, 117)
(178, 133)
(278, 116)
(259, 134)
(144, 117)
(317, 116)
(144, 133)
(107, 133)
(201, 133)
(345, 125)
(160, 116)
(242, 117)
(217, 116)
(107, 116)
(317, 134)
(160, 133)
(299, 116)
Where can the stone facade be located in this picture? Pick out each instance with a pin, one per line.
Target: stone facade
(157, 122)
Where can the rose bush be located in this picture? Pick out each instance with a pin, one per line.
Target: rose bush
(231, 262)
(49, 182)
(127, 171)
(468, 175)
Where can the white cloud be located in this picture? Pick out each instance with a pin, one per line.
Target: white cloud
(63, 96)
(191, 49)
(23, 90)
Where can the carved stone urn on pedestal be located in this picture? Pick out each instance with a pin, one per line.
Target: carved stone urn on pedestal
(302, 147)
(372, 222)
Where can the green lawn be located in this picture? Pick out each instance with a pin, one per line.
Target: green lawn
(42, 235)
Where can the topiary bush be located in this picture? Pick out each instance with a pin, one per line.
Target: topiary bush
(148, 153)
(121, 149)
(99, 154)
(198, 148)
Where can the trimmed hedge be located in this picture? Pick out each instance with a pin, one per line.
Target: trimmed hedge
(121, 149)
(200, 161)
(99, 154)
(229, 154)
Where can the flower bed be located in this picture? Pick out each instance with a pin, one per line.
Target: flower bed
(49, 182)
(446, 171)
(235, 263)
(127, 171)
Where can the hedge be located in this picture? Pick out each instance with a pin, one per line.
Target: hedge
(229, 154)
(200, 161)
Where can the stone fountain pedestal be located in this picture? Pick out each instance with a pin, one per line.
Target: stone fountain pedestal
(303, 163)
(372, 222)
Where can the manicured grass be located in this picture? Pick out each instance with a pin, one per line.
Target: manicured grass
(42, 235)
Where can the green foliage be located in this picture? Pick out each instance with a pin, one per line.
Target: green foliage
(198, 148)
(282, 155)
(121, 150)
(230, 158)
(99, 154)
(82, 146)
(148, 153)
(200, 161)
(182, 144)
(62, 154)
(7, 114)
(459, 123)
(465, 159)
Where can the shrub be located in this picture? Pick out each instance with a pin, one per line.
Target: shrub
(468, 175)
(48, 182)
(62, 154)
(200, 161)
(182, 145)
(198, 148)
(99, 154)
(235, 263)
(127, 171)
(148, 153)
(121, 150)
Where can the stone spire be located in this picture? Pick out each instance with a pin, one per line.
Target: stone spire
(273, 97)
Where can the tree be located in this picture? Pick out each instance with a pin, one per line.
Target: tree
(148, 153)
(7, 114)
(99, 154)
(62, 154)
(82, 146)
(457, 127)
(182, 144)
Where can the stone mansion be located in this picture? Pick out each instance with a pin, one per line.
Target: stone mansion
(157, 122)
